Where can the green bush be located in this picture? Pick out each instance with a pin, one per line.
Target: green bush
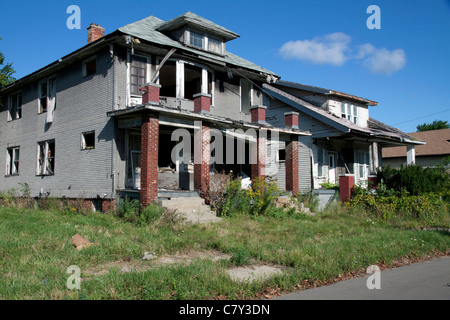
(416, 180)
(130, 210)
(256, 200)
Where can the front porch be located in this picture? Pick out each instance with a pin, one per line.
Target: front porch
(170, 152)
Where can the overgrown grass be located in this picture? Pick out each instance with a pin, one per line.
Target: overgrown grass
(35, 252)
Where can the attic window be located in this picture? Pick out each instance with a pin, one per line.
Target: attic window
(215, 45)
(196, 40)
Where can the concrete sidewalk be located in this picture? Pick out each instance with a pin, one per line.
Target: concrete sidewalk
(420, 281)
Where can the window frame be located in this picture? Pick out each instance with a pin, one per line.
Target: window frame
(83, 140)
(349, 112)
(85, 66)
(42, 168)
(17, 96)
(12, 169)
(47, 95)
(130, 69)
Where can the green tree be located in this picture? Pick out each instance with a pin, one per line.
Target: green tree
(436, 125)
(6, 71)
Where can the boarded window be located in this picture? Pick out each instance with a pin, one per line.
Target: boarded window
(138, 74)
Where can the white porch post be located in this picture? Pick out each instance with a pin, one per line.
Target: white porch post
(410, 155)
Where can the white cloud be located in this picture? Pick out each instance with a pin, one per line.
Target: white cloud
(382, 61)
(335, 49)
(329, 49)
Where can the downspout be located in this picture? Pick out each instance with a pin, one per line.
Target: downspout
(112, 176)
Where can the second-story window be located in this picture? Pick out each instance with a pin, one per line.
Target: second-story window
(138, 74)
(15, 107)
(47, 95)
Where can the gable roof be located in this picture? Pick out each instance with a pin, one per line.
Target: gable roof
(148, 29)
(375, 128)
(325, 92)
(438, 143)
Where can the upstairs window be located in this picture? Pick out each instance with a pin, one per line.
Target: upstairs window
(90, 67)
(15, 107)
(246, 95)
(196, 40)
(138, 74)
(215, 45)
(47, 95)
(349, 112)
(12, 161)
(46, 158)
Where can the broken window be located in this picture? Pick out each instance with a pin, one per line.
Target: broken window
(15, 107)
(282, 155)
(43, 96)
(134, 158)
(192, 81)
(12, 161)
(138, 73)
(246, 89)
(90, 67)
(47, 97)
(88, 140)
(168, 79)
(46, 158)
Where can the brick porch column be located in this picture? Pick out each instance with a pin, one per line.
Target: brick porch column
(202, 102)
(258, 155)
(202, 154)
(292, 165)
(149, 158)
(150, 92)
(258, 114)
(346, 184)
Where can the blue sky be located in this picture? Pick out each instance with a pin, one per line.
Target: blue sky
(404, 65)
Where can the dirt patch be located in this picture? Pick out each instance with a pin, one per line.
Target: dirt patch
(140, 266)
(253, 273)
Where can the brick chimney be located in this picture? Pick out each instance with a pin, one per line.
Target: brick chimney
(95, 32)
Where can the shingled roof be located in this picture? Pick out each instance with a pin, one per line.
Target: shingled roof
(437, 144)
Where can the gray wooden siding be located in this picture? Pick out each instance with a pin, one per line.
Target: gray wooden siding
(81, 105)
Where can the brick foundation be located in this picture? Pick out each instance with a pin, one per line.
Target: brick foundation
(149, 159)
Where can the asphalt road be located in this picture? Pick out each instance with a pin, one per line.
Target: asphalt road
(420, 281)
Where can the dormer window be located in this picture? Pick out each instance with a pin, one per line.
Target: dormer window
(196, 40)
(349, 112)
(214, 45)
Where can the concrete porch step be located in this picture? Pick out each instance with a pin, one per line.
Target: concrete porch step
(193, 209)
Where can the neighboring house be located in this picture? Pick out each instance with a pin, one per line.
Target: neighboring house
(100, 122)
(436, 149)
(344, 140)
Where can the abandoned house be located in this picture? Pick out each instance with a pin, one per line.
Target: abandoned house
(107, 120)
